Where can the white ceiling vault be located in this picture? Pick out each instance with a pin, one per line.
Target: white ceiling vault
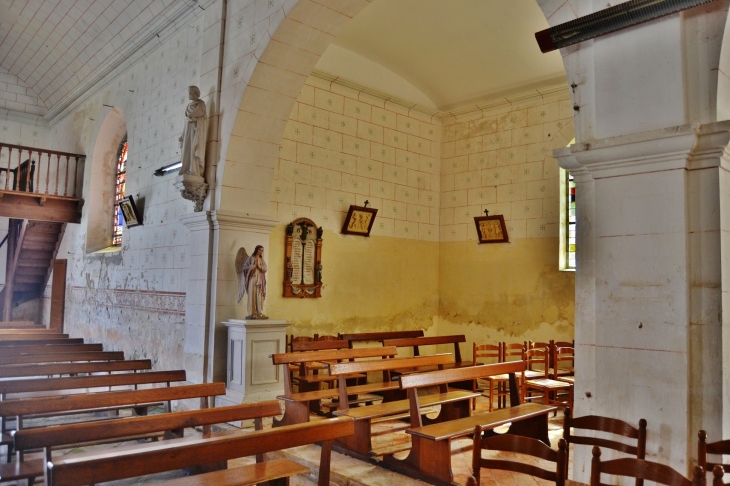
(61, 48)
(455, 52)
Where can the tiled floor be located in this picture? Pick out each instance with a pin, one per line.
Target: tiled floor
(346, 471)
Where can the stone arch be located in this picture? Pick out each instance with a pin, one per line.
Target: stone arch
(99, 189)
(246, 174)
(723, 75)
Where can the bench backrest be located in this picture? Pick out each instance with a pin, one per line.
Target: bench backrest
(62, 357)
(65, 403)
(18, 324)
(49, 369)
(95, 381)
(35, 342)
(443, 377)
(319, 345)
(7, 335)
(179, 453)
(331, 355)
(389, 364)
(61, 435)
(49, 348)
(380, 336)
(428, 341)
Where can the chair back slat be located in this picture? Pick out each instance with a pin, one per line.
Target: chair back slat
(641, 470)
(603, 424)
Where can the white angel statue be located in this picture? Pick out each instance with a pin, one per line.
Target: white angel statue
(251, 271)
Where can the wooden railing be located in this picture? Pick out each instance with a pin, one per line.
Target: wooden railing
(39, 171)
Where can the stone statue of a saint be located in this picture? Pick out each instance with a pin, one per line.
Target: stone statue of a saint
(195, 133)
(251, 272)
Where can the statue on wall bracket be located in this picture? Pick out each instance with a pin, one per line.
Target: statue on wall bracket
(191, 178)
(303, 259)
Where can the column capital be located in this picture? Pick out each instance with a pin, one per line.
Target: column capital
(255, 223)
(687, 147)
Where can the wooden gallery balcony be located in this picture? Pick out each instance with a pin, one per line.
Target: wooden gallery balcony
(40, 184)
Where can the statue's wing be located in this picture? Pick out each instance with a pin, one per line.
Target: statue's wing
(241, 258)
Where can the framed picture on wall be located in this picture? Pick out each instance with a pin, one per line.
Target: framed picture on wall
(131, 216)
(491, 229)
(359, 221)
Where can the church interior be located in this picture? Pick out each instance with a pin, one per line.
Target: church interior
(358, 229)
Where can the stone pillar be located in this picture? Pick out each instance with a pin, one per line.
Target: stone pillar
(649, 284)
(251, 375)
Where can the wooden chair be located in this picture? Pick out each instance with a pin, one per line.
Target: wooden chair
(717, 473)
(721, 447)
(520, 445)
(549, 388)
(482, 354)
(641, 470)
(563, 364)
(610, 425)
(512, 352)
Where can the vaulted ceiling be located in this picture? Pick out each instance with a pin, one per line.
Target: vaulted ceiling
(56, 46)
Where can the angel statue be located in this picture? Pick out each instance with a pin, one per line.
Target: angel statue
(251, 271)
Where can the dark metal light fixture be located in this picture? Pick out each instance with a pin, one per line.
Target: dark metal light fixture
(167, 169)
(610, 20)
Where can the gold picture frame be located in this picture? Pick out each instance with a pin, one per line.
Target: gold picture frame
(129, 212)
(491, 229)
(359, 221)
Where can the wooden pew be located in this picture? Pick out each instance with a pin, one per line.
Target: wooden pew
(61, 357)
(50, 369)
(124, 429)
(36, 342)
(28, 336)
(380, 336)
(40, 386)
(301, 374)
(453, 403)
(19, 325)
(298, 405)
(414, 343)
(48, 348)
(430, 455)
(126, 462)
(47, 385)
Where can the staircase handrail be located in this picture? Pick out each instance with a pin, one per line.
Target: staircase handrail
(50, 177)
(45, 151)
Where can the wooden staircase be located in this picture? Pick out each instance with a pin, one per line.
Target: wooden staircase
(32, 248)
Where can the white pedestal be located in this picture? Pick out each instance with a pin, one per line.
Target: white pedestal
(252, 377)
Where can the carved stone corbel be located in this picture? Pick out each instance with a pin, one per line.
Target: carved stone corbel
(192, 188)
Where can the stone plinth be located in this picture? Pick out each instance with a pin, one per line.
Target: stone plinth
(251, 376)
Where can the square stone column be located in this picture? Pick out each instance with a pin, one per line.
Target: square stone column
(651, 214)
(252, 377)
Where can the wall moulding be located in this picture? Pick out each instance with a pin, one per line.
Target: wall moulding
(688, 147)
(142, 300)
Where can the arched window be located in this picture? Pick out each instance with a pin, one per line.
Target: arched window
(121, 182)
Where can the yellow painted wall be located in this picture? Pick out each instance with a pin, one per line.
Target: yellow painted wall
(428, 176)
(370, 284)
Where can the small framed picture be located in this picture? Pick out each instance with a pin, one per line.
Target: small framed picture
(129, 212)
(359, 221)
(491, 229)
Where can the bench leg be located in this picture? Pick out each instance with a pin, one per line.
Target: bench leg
(324, 464)
(294, 413)
(535, 427)
(428, 460)
(358, 442)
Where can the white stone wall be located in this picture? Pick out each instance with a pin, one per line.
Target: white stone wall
(16, 96)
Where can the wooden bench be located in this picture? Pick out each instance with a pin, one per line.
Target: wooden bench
(276, 473)
(30, 336)
(35, 342)
(19, 325)
(50, 369)
(298, 405)
(48, 348)
(430, 456)
(453, 403)
(46, 385)
(62, 357)
(416, 343)
(43, 331)
(126, 462)
(301, 373)
(380, 336)
(172, 425)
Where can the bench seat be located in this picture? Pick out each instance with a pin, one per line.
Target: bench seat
(401, 406)
(332, 393)
(465, 426)
(13, 471)
(243, 475)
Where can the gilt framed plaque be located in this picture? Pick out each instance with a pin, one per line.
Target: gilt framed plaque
(303, 259)
(359, 221)
(491, 229)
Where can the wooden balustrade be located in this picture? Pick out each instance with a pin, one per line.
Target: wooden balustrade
(39, 171)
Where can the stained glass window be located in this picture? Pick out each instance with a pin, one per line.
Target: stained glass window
(570, 220)
(120, 186)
